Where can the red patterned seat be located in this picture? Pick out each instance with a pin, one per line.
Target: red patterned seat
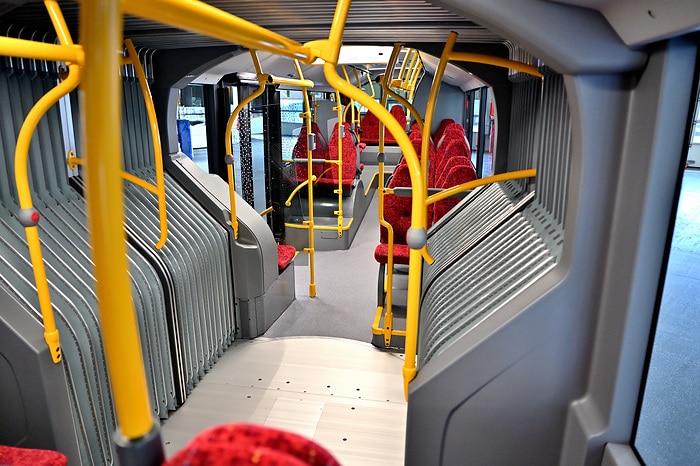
(455, 169)
(285, 255)
(400, 115)
(370, 128)
(300, 151)
(397, 211)
(331, 172)
(441, 129)
(247, 444)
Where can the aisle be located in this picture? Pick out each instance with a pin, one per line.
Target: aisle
(346, 290)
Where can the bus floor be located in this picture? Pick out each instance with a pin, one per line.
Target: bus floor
(344, 394)
(314, 371)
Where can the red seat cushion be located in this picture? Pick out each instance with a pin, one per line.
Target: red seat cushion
(401, 253)
(370, 128)
(242, 444)
(285, 255)
(31, 457)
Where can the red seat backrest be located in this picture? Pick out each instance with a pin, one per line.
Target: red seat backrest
(441, 129)
(349, 166)
(300, 151)
(370, 128)
(400, 115)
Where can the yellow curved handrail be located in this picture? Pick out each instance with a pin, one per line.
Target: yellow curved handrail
(27, 215)
(133, 59)
(263, 79)
(298, 188)
(516, 175)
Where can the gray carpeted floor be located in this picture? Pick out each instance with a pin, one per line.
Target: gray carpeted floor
(346, 290)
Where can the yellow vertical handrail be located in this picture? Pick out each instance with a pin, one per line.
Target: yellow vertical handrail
(133, 59)
(339, 162)
(310, 185)
(263, 79)
(417, 233)
(27, 215)
(100, 30)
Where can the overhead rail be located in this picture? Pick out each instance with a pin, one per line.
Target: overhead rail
(158, 188)
(388, 82)
(28, 216)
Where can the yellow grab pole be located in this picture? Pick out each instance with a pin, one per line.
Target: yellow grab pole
(432, 99)
(417, 234)
(516, 175)
(155, 137)
(339, 163)
(207, 20)
(100, 30)
(310, 186)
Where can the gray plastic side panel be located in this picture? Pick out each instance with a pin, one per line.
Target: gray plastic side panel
(30, 382)
(256, 246)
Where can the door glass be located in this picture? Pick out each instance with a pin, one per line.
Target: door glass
(668, 430)
(192, 125)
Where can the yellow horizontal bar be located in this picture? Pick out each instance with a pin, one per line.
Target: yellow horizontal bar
(480, 182)
(207, 20)
(496, 61)
(316, 227)
(292, 82)
(41, 51)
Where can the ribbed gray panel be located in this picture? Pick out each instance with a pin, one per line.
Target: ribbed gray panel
(196, 252)
(66, 251)
(526, 99)
(541, 138)
(479, 212)
(480, 282)
(554, 151)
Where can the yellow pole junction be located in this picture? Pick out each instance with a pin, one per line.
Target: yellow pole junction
(101, 33)
(417, 233)
(27, 215)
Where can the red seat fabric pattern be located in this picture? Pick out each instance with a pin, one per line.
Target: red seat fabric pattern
(243, 444)
(400, 115)
(300, 151)
(370, 128)
(285, 255)
(401, 253)
(31, 457)
(349, 165)
(441, 129)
